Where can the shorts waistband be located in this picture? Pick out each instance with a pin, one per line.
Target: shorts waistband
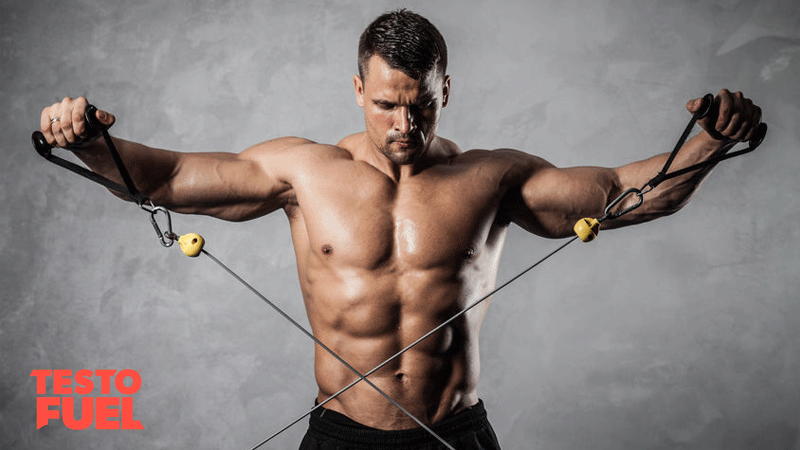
(334, 425)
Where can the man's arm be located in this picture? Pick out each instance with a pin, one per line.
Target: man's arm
(550, 200)
(225, 185)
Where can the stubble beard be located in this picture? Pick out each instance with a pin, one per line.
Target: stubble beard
(408, 155)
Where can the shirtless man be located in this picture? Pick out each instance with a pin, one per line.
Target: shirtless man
(396, 229)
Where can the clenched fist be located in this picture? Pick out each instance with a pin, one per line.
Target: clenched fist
(64, 125)
(734, 117)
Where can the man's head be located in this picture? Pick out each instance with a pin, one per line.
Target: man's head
(402, 84)
(406, 41)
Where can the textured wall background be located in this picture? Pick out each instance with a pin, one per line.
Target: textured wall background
(679, 334)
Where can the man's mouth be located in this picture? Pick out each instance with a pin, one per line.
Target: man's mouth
(405, 143)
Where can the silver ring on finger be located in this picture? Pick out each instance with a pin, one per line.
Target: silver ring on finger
(55, 119)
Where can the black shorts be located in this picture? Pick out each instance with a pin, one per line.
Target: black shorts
(467, 430)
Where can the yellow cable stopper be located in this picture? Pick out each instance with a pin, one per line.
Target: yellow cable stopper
(587, 229)
(191, 244)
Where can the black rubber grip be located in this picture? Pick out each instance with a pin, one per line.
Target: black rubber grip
(41, 145)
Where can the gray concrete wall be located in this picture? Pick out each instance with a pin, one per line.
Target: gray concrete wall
(679, 334)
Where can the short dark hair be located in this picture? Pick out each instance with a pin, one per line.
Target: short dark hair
(406, 41)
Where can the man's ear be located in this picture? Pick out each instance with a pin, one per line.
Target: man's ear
(358, 84)
(445, 90)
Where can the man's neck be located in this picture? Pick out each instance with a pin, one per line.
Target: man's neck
(367, 152)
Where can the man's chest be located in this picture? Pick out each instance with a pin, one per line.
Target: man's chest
(365, 219)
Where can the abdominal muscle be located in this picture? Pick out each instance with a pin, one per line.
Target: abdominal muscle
(366, 317)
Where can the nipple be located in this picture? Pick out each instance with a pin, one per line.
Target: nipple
(327, 249)
(469, 253)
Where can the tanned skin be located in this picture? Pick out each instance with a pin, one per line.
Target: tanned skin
(396, 229)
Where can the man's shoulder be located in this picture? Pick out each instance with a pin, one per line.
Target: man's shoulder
(508, 166)
(498, 156)
(351, 141)
(299, 148)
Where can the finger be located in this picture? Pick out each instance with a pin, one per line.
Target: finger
(708, 107)
(694, 105)
(50, 129)
(747, 121)
(724, 104)
(77, 117)
(44, 125)
(738, 117)
(753, 120)
(67, 106)
(745, 128)
(55, 125)
(106, 118)
(756, 121)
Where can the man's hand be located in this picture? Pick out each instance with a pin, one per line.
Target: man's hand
(63, 124)
(733, 117)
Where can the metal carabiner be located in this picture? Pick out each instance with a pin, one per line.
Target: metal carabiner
(609, 215)
(167, 237)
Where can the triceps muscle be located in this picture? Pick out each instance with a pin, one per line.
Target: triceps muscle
(552, 200)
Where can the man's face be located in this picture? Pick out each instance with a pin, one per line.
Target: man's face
(401, 113)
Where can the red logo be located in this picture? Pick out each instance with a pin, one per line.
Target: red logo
(107, 413)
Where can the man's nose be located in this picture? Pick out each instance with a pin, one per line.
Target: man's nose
(404, 122)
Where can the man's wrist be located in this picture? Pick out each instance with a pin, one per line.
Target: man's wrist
(714, 143)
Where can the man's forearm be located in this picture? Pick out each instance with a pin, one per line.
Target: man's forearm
(731, 118)
(150, 169)
(671, 195)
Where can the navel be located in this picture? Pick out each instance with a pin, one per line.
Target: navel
(327, 249)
